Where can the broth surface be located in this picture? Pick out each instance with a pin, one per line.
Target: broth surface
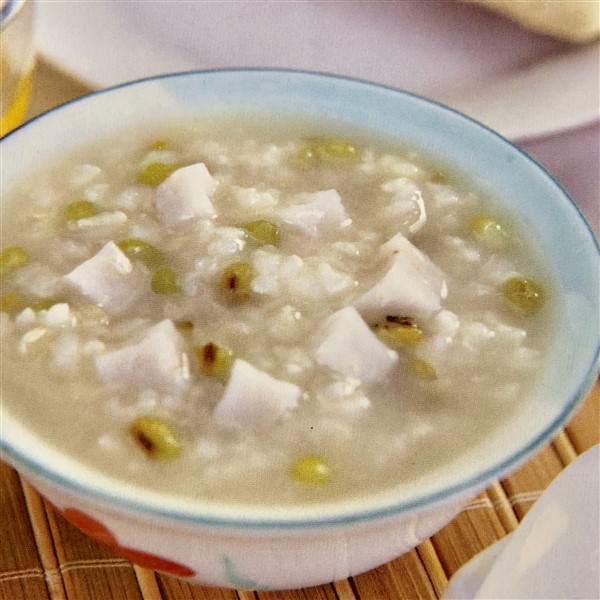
(322, 401)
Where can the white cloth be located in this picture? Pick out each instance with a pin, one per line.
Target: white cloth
(553, 553)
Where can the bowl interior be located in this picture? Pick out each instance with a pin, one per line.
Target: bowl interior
(495, 165)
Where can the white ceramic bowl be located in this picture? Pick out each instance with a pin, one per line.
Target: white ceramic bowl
(269, 547)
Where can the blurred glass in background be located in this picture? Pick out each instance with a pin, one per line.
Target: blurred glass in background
(17, 60)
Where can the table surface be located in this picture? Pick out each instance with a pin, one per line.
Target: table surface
(44, 557)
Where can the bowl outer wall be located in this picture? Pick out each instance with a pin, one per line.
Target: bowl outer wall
(494, 164)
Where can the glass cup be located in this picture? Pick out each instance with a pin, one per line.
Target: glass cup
(17, 60)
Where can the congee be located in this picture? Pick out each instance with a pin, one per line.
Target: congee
(249, 310)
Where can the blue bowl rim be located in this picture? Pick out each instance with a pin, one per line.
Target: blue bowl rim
(6, 10)
(9, 11)
(463, 487)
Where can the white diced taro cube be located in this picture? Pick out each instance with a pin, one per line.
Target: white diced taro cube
(400, 245)
(158, 360)
(109, 279)
(321, 212)
(410, 285)
(347, 345)
(185, 195)
(253, 398)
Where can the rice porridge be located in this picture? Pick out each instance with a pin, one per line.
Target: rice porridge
(264, 312)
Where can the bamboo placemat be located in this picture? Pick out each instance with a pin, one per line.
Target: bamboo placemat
(43, 557)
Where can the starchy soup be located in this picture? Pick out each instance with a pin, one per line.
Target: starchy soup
(250, 310)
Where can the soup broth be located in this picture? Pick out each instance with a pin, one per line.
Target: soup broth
(253, 311)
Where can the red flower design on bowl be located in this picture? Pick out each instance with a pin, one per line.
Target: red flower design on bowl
(97, 530)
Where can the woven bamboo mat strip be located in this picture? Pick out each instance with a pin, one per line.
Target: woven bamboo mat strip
(44, 557)
(22, 574)
(147, 580)
(564, 448)
(584, 428)
(524, 487)
(36, 508)
(405, 577)
(89, 570)
(475, 528)
(324, 592)
(175, 589)
(433, 566)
